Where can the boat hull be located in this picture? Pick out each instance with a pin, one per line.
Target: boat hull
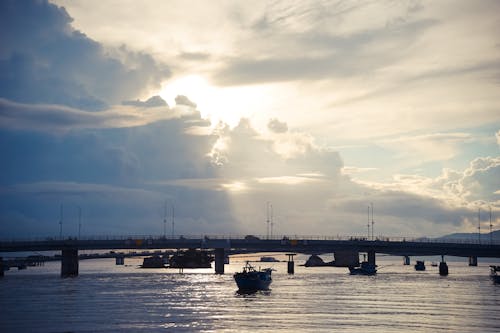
(253, 280)
(365, 269)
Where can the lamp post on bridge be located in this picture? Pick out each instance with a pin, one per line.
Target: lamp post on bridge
(60, 221)
(79, 221)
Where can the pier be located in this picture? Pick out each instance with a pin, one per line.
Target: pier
(222, 244)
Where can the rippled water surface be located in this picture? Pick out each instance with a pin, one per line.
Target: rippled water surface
(109, 298)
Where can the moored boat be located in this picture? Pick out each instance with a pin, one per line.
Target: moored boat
(366, 268)
(494, 273)
(420, 265)
(153, 262)
(268, 259)
(251, 279)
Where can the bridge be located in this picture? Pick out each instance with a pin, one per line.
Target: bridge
(221, 244)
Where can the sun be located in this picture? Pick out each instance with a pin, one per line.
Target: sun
(226, 104)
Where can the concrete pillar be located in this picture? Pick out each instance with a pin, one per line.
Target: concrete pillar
(69, 263)
(443, 267)
(219, 261)
(1, 266)
(120, 260)
(291, 263)
(472, 261)
(371, 257)
(406, 260)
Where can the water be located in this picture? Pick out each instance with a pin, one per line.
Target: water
(109, 298)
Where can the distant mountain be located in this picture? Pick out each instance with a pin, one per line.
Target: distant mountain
(473, 236)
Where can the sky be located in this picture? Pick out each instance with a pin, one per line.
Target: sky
(218, 116)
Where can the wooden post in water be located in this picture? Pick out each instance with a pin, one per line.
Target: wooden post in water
(1, 267)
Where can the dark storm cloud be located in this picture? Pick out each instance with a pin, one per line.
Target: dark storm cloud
(44, 60)
(58, 118)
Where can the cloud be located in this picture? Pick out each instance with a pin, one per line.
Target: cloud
(276, 126)
(154, 101)
(59, 118)
(44, 60)
(427, 147)
(184, 100)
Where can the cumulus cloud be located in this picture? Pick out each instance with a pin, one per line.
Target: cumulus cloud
(44, 60)
(184, 100)
(276, 126)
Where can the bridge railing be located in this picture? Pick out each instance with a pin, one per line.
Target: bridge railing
(484, 241)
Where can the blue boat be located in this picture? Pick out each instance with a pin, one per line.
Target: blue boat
(420, 265)
(251, 279)
(365, 269)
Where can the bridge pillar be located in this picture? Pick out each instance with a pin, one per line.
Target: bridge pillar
(69, 263)
(120, 260)
(1, 267)
(472, 261)
(406, 260)
(371, 257)
(219, 261)
(291, 263)
(443, 267)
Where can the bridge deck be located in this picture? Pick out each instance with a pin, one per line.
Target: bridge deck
(283, 244)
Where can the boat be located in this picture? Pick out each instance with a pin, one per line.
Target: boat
(191, 258)
(420, 265)
(494, 273)
(366, 268)
(251, 279)
(434, 264)
(268, 259)
(153, 262)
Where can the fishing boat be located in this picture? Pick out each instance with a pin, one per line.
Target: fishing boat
(494, 273)
(420, 265)
(191, 258)
(365, 269)
(251, 279)
(153, 262)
